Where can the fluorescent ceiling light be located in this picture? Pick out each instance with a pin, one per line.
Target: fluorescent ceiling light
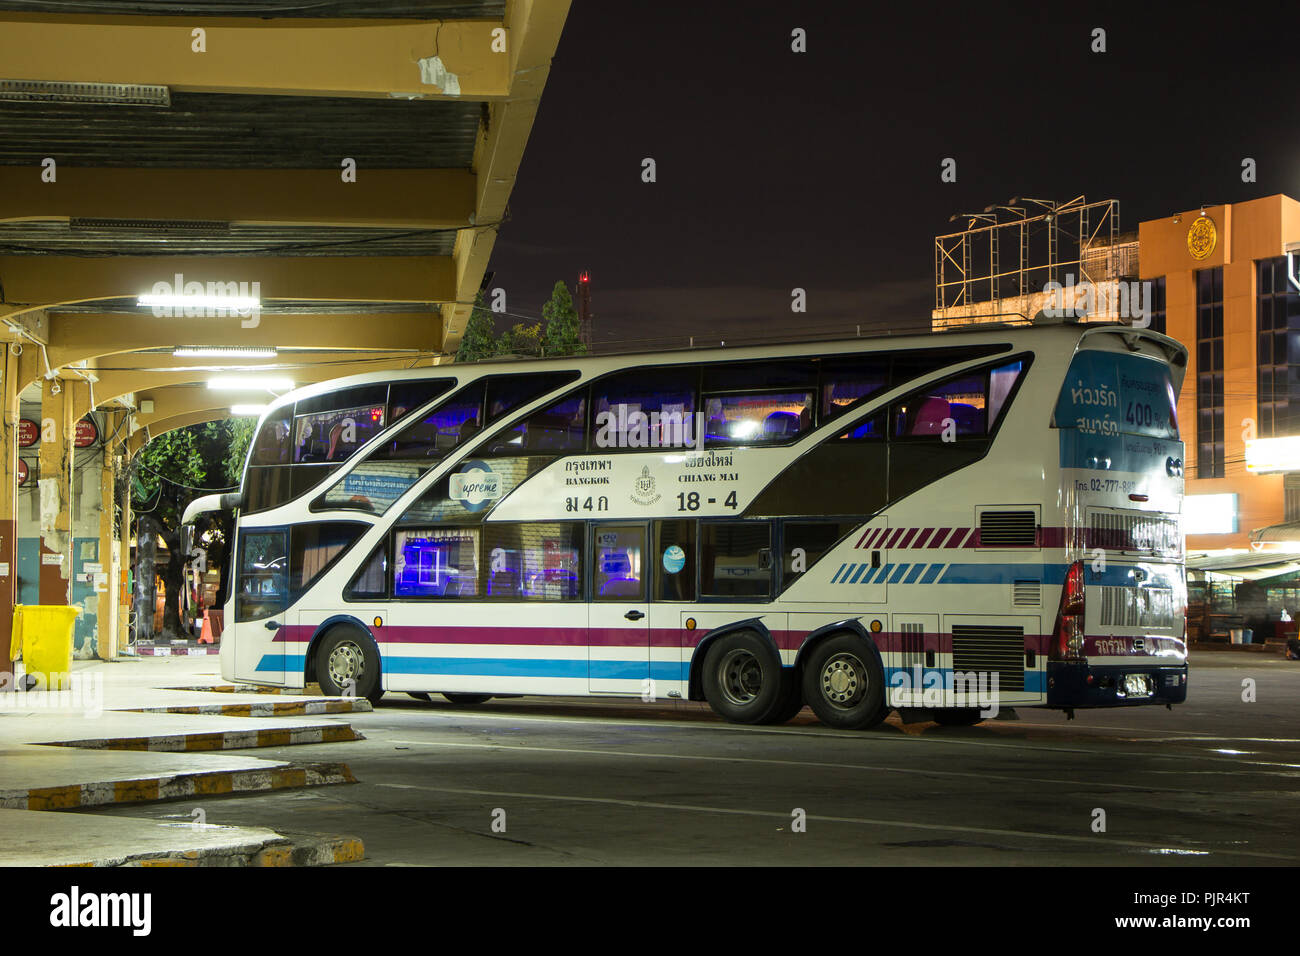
(227, 303)
(248, 411)
(107, 94)
(224, 351)
(249, 383)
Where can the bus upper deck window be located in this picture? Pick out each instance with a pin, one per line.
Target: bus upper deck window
(272, 444)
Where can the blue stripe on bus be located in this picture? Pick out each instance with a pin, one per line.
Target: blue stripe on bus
(931, 573)
(281, 662)
(902, 569)
(916, 573)
(858, 574)
(838, 573)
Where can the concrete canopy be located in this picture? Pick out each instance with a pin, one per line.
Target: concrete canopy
(355, 165)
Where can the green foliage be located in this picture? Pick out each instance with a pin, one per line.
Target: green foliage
(480, 339)
(524, 340)
(559, 335)
(563, 332)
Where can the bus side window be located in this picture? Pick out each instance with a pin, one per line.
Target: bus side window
(804, 542)
(370, 583)
(736, 559)
(674, 572)
(955, 407)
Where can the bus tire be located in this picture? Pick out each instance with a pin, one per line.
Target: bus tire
(348, 653)
(791, 698)
(844, 683)
(957, 716)
(467, 700)
(742, 678)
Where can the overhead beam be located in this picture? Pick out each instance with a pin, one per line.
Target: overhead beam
(111, 385)
(382, 198)
(355, 58)
(41, 281)
(535, 27)
(178, 421)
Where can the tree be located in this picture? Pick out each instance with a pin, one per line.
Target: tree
(527, 340)
(480, 338)
(170, 472)
(563, 330)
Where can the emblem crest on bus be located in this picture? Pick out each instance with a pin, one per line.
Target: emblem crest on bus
(643, 489)
(474, 485)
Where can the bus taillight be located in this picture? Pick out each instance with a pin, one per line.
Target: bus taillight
(1067, 641)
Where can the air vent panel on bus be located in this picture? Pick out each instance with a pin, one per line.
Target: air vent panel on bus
(1008, 529)
(1027, 593)
(991, 649)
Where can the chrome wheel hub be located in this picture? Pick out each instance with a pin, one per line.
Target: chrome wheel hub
(844, 680)
(346, 663)
(740, 676)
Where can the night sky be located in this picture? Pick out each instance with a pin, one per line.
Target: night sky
(821, 170)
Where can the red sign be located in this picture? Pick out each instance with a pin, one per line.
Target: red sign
(87, 433)
(29, 433)
(22, 472)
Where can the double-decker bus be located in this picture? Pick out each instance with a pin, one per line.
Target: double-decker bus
(940, 522)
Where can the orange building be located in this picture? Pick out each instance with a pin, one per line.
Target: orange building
(1221, 287)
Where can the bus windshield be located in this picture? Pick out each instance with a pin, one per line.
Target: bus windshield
(1109, 393)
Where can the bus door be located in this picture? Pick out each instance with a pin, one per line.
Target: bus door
(618, 619)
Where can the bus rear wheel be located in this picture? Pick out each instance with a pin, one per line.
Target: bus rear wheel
(347, 664)
(791, 698)
(844, 683)
(742, 679)
(467, 700)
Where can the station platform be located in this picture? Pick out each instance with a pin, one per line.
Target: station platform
(141, 731)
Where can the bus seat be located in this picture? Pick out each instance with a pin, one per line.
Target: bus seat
(930, 416)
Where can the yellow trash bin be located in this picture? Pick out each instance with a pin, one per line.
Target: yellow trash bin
(43, 635)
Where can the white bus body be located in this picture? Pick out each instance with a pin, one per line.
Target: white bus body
(950, 522)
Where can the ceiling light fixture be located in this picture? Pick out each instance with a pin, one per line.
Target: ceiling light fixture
(223, 351)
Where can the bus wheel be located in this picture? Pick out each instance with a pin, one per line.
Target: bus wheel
(844, 684)
(467, 700)
(958, 717)
(348, 661)
(791, 698)
(742, 680)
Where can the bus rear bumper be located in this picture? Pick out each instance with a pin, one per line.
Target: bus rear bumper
(1076, 684)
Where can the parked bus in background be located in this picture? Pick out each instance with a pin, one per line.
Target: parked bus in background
(950, 522)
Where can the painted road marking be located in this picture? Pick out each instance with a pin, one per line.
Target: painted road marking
(1093, 841)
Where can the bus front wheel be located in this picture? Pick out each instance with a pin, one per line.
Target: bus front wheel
(742, 679)
(347, 664)
(844, 684)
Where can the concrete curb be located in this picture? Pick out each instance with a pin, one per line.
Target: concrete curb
(294, 851)
(176, 787)
(270, 708)
(241, 689)
(226, 740)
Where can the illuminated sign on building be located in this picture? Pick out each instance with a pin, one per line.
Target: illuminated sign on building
(1210, 514)
(1266, 455)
